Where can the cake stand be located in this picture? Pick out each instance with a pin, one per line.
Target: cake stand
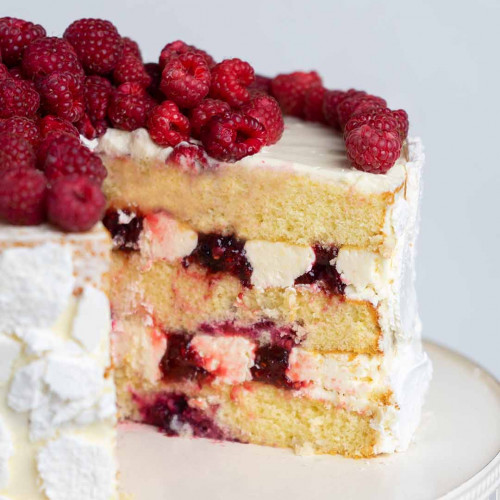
(455, 455)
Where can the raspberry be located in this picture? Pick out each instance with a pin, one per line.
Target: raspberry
(313, 104)
(186, 79)
(266, 110)
(230, 80)
(52, 125)
(49, 54)
(15, 152)
(190, 158)
(129, 106)
(22, 127)
(4, 72)
(357, 103)
(202, 113)
(167, 125)
(66, 155)
(372, 150)
(75, 203)
(97, 44)
(86, 128)
(175, 49)
(331, 100)
(290, 90)
(403, 124)
(17, 98)
(129, 68)
(130, 48)
(22, 197)
(97, 94)
(16, 72)
(15, 36)
(262, 83)
(62, 95)
(232, 136)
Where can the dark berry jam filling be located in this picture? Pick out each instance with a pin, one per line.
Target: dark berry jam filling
(219, 253)
(180, 361)
(265, 331)
(169, 411)
(322, 272)
(125, 234)
(271, 363)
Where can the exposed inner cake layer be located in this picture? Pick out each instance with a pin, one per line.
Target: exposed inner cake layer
(255, 393)
(263, 197)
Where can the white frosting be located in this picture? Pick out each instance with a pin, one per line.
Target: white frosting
(54, 357)
(71, 467)
(35, 286)
(276, 263)
(228, 358)
(9, 351)
(164, 238)
(305, 148)
(92, 319)
(6, 451)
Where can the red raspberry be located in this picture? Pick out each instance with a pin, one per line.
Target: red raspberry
(46, 55)
(313, 104)
(86, 127)
(16, 72)
(22, 127)
(189, 158)
(202, 113)
(22, 197)
(15, 36)
(129, 68)
(290, 90)
(15, 152)
(4, 72)
(130, 48)
(266, 110)
(52, 125)
(262, 83)
(232, 136)
(403, 123)
(331, 100)
(75, 203)
(17, 98)
(62, 95)
(357, 103)
(175, 49)
(97, 43)
(186, 79)
(66, 155)
(129, 106)
(97, 94)
(372, 150)
(167, 125)
(230, 80)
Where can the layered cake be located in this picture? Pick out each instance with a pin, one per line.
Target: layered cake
(259, 258)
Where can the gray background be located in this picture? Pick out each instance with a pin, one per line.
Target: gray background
(437, 59)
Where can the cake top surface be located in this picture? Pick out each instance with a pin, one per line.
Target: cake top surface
(314, 149)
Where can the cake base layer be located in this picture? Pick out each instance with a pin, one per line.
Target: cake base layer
(253, 413)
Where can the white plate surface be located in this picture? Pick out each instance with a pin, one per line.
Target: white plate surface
(455, 455)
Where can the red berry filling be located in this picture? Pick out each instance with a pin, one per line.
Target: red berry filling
(218, 253)
(271, 364)
(169, 411)
(125, 228)
(323, 272)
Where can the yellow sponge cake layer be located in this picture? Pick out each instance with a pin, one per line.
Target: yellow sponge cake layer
(184, 299)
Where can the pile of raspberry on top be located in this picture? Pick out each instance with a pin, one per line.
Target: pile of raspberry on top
(54, 90)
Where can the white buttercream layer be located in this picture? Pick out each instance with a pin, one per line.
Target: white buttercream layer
(57, 396)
